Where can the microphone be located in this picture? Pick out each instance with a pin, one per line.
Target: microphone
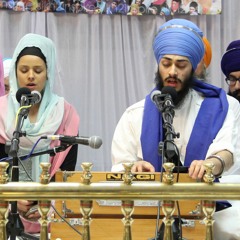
(25, 97)
(165, 98)
(93, 142)
(156, 97)
(165, 103)
(171, 95)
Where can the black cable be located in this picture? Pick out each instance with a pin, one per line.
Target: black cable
(56, 211)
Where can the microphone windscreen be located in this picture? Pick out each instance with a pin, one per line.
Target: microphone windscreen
(95, 142)
(154, 94)
(171, 91)
(20, 92)
(37, 96)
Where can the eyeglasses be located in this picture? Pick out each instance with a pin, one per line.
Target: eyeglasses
(231, 80)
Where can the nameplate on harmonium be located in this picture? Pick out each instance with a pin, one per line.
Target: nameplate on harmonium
(136, 177)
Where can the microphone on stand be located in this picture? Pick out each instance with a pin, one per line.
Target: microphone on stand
(165, 98)
(93, 142)
(25, 97)
(165, 103)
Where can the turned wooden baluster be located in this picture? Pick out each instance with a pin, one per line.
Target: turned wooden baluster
(208, 206)
(86, 206)
(127, 205)
(168, 206)
(44, 205)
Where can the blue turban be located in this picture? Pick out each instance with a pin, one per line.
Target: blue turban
(179, 37)
(231, 58)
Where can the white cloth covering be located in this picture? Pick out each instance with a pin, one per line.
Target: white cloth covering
(226, 225)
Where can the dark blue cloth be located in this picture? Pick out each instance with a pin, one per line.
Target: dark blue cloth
(209, 121)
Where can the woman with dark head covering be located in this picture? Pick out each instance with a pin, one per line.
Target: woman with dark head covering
(33, 67)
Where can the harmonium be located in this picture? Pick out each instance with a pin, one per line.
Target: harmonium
(106, 216)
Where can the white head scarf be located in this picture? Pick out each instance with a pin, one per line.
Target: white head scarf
(6, 66)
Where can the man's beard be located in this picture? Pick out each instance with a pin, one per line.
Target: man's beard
(187, 84)
(235, 94)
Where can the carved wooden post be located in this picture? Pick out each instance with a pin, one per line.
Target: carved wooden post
(208, 206)
(168, 206)
(44, 205)
(86, 205)
(127, 205)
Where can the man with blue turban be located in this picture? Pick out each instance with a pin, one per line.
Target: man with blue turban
(226, 226)
(204, 115)
(230, 65)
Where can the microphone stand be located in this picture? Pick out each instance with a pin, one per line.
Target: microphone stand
(51, 152)
(169, 150)
(15, 226)
(166, 107)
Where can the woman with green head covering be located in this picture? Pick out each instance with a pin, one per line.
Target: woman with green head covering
(33, 67)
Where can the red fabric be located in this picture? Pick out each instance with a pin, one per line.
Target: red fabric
(159, 2)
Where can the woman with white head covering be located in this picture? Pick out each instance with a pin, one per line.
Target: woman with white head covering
(19, 7)
(6, 69)
(33, 67)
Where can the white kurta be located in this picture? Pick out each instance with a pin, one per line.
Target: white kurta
(126, 144)
(126, 147)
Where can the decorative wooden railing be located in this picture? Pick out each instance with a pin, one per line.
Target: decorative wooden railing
(127, 191)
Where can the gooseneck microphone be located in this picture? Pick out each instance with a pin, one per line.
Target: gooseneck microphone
(165, 103)
(93, 142)
(25, 97)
